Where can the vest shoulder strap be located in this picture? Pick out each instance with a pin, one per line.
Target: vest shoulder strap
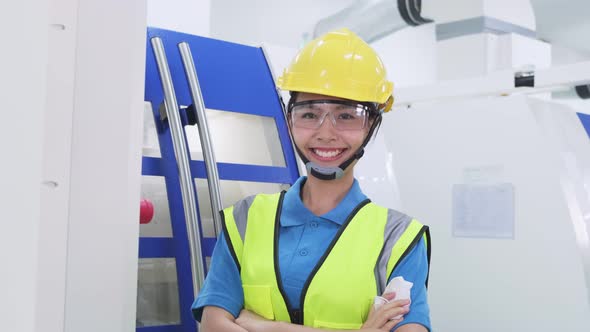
(414, 232)
(235, 221)
(401, 234)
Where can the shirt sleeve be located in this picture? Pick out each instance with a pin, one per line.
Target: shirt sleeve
(414, 268)
(223, 285)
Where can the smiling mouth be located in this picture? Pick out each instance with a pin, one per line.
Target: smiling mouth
(327, 154)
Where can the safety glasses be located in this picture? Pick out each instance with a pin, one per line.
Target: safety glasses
(345, 115)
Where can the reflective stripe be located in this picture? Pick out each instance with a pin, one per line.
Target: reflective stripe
(241, 214)
(235, 219)
(403, 244)
(235, 242)
(397, 223)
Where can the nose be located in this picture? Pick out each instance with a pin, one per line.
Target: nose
(327, 130)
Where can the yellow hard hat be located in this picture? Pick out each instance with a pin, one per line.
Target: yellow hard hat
(339, 64)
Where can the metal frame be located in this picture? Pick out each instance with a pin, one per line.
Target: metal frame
(495, 84)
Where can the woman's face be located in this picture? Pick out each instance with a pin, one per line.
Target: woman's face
(327, 146)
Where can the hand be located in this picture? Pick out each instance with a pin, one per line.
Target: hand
(381, 319)
(252, 322)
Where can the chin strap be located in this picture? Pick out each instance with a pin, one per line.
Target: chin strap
(333, 173)
(329, 173)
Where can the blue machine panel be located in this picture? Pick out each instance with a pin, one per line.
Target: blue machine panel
(585, 118)
(234, 78)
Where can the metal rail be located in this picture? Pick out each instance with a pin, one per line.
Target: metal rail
(182, 160)
(204, 134)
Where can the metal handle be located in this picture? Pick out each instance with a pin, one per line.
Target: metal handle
(206, 144)
(182, 160)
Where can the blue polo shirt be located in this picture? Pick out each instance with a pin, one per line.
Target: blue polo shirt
(303, 239)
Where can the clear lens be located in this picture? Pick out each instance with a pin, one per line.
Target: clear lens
(344, 115)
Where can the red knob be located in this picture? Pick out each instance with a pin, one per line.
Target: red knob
(146, 211)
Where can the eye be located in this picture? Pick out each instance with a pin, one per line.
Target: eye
(308, 115)
(346, 116)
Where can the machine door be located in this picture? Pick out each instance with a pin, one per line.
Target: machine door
(253, 153)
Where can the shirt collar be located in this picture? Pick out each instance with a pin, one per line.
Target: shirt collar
(295, 213)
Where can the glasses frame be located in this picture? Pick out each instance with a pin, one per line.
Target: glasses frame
(366, 107)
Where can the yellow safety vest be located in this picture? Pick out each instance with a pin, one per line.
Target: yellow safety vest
(339, 291)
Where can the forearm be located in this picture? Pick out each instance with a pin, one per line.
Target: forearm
(288, 327)
(411, 328)
(378, 321)
(218, 320)
(221, 326)
(273, 326)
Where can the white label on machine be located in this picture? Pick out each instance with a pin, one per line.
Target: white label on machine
(483, 210)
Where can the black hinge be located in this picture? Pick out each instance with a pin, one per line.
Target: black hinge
(583, 91)
(524, 78)
(191, 115)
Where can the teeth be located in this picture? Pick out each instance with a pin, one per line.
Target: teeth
(327, 154)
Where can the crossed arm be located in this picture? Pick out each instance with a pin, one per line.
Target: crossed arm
(213, 318)
(217, 319)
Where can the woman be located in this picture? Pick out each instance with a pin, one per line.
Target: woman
(313, 258)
